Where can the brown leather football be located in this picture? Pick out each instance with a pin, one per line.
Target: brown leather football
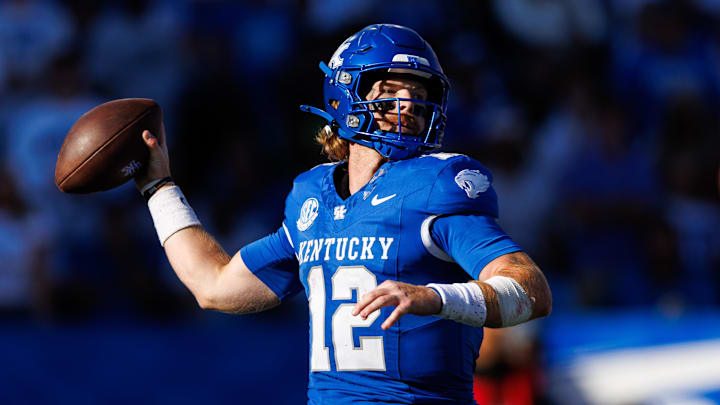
(104, 148)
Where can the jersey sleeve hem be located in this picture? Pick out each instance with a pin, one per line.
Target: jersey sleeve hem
(475, 273)
(429, 242)
(273, 261)
(256, 267)
(287, 233)
(263, 274)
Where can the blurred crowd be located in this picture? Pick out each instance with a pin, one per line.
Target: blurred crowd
(598, 118)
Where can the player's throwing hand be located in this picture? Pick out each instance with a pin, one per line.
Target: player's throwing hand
(159, 162)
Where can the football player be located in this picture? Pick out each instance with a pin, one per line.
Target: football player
(395, 247)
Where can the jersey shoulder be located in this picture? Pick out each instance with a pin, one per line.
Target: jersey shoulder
(309, 183)
(458, 184)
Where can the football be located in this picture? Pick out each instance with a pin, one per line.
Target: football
(104, 148)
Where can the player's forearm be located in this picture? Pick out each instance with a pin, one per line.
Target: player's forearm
(511, 290)
(520, 268)
(217, 281)
(198, 261)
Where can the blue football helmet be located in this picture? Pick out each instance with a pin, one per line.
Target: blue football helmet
(377, 52)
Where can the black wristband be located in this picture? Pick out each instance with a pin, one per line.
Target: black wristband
(154, 188)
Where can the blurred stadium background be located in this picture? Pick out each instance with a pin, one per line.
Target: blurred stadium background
(598, 118)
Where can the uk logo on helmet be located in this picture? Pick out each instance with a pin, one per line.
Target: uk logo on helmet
(308, 213)
(336, 60)
(403, 57)
(472, 182)
(417, 60)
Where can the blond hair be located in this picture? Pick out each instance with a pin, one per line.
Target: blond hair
(336, 148)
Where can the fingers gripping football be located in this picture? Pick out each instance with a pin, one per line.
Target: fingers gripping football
(407, 299)
(159, 161)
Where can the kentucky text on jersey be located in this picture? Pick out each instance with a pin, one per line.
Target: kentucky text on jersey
(352, 248)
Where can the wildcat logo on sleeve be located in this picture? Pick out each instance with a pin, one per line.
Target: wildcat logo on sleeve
(308, 213)
(473, 182)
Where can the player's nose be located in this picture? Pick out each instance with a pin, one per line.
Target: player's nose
(404, 105)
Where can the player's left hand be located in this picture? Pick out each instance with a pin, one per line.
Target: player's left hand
(407, 298)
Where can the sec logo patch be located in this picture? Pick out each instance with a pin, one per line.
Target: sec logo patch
(308, 213)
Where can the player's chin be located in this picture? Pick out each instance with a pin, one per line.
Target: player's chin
(411, 132)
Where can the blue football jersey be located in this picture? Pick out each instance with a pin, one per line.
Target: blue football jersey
(347, 247)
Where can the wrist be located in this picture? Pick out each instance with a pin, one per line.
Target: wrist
(150, 188)
(151, 175)
(436, 300)
(171, 212)
(462, 302)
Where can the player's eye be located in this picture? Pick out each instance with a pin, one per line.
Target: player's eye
(382, 106)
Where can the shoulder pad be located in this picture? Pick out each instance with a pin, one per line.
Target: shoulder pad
(307, 184)
(314, 174)
(462, 185)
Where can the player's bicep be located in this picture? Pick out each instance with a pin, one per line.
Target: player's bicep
(238, 290)
(258, 276)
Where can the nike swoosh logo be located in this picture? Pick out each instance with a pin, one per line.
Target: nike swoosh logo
(377, 201)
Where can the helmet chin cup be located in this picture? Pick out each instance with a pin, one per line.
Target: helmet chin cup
(377, 51)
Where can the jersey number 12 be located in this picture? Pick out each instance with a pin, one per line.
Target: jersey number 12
(370, 355)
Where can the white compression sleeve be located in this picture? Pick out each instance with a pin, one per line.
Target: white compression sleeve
(462, 302)
(515, 305)
(170, 212)
(465, 302)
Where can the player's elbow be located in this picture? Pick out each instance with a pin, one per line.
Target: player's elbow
(210, 299)
(543, 304)
(542, 296)
(205, 302)
(239, 302)
(546, 309)
(210, 302)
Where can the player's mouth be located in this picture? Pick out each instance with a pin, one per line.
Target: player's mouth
(409, 123)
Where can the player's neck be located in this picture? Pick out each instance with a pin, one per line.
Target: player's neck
(363, 162)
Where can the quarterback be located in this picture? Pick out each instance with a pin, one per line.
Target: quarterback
(395, 245)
